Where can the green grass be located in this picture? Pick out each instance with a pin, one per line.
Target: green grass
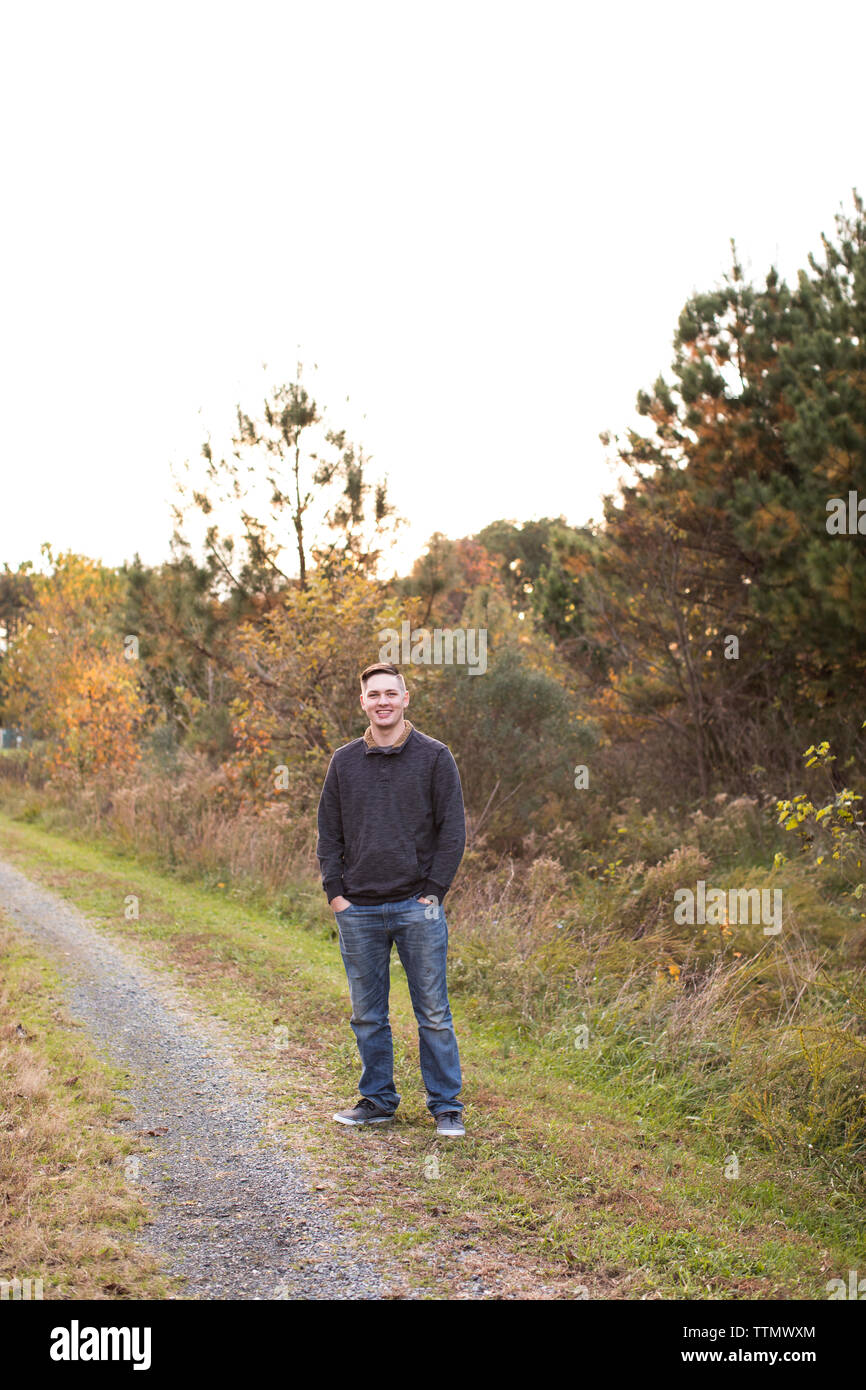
(572, 1173)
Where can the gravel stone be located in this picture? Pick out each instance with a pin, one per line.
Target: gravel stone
(234, 1215)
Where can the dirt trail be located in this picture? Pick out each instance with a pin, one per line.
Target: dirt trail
(235, 1214)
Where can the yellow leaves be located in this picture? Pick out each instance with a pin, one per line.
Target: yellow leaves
(299, 667)
(794, 813)
(66, 674)
(667, 974)
(821, 754)
(839, 823)
(102, 710)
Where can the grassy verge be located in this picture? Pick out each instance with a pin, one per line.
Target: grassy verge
(570, 1183)
(69, 1212)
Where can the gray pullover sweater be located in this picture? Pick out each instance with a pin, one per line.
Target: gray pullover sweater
(391, 820)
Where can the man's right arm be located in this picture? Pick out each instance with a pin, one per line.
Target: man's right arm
(330, 844)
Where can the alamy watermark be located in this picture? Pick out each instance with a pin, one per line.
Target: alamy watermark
(16, 1288)
(846, 518)
(721, 907)
(459, 646)
(77, 1343)
(856, 1288)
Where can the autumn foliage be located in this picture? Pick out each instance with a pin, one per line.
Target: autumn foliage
(698, 628)
(66, 677)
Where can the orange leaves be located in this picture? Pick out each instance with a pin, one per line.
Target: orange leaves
(777, 521)
(102, 709)
(66, 677)
(577, 564)
(298, 666)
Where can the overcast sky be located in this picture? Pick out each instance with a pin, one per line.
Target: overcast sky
(480, 220)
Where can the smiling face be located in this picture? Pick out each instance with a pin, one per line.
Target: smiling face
(384, 699)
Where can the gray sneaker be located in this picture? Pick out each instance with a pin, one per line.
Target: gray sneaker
(366, 1112)
(449, 1122)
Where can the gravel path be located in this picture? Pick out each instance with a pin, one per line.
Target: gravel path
(235, 1214)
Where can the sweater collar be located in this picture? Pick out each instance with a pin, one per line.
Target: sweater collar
(373, 747)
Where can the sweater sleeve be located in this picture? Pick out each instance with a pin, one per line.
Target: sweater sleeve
(330, 844)
(449, 821)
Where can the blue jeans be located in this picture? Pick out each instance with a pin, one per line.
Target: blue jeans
(366, 934)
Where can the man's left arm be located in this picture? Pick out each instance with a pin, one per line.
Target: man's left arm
(449, 821)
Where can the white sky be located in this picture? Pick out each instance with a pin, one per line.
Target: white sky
(480, 220)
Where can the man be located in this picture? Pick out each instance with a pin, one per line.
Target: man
(391, 835)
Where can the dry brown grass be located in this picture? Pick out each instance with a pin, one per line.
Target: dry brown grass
(538, 940)
(68, 1215)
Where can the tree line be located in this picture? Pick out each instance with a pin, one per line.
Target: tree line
(700, 630)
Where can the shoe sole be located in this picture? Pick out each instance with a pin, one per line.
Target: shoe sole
(376, 1120)
(452, 1133)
